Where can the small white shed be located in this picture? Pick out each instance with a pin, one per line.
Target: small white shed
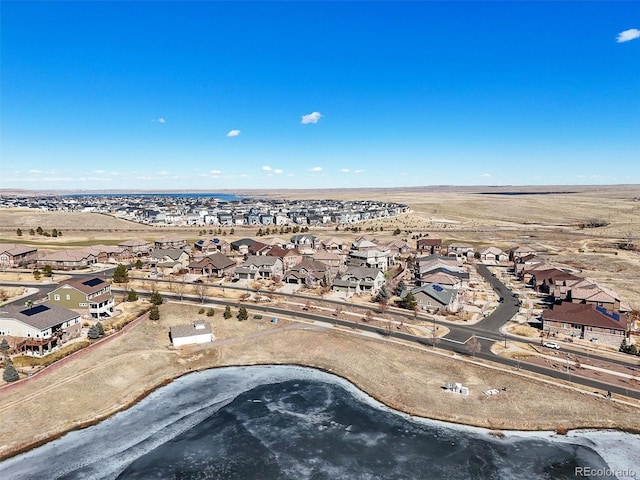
(193, 333)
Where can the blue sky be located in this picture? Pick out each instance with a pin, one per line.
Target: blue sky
(231, 95)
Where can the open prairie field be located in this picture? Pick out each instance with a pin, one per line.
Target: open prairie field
(553, 219)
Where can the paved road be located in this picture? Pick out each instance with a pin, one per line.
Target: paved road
(486, 331)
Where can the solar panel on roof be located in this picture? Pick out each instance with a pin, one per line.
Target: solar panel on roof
(34, 310)
(438, 288)
(92, 282)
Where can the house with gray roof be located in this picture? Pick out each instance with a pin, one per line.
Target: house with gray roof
(38, 329)
(433, 297)
(359, 280)
(259, 267)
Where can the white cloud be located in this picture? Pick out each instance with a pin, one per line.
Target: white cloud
(33, 170)
(315, 169)
(312, 117)
(291, 175)
(216, 172)
(266, 168)
(99, 172)
(345, 170)
(358, 171)
(162, 120)
(485, 175)
(627, 35)
(233, 133)
(163, 172)
(277, 170)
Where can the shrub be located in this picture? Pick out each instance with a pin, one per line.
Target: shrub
(201, 311)
(227, 312)
(132, 296)
(210, 312)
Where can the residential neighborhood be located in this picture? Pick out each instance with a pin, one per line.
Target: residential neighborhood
(219, 210)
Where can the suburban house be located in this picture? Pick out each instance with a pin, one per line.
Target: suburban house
(371, 258)
(190, 334)
(168, 260)
(308, 272)
(433, 297)
(398, 247)
(359, 280)
(330, 259)
(585, 321)
(520, 264)
(38, 329)
(92, 295)
(136, 247)
(170, 242)
(67, 259)
(591, 293)
(259, 267)
(211, 245)
(217, 265)
(242, 245)
(441, 278)
(427, 267)
(430, 246)
(493, 255)
(305, 242)
(259, 248)
(105, 253)
(290, 256)
(461, 251)
(336, 245)
(14, 255)
(519, 252)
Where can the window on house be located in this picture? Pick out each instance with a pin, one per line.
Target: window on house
(56, 297)
(68, 297)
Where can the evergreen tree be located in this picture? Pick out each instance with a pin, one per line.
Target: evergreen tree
(154, 313)
(132, 296)
(100, 328)
(401, 287)
(39, 231)
(383, 295)
(4, 346)
(47, 271)
(409, 302)
(227, 312)
(54, 232)
(10, 373)
(36, 274)
(120, 274)
(93, 333)
(156, 298)
(138, 264)
(210, 312)
(19, 232)
(242, 314)
(32, 231)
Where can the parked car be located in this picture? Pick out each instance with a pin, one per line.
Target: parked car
(551, 345)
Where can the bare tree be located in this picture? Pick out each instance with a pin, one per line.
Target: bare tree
(435, 339)
(473, 346)
(368, 316)
(181, 287)
(202, 290)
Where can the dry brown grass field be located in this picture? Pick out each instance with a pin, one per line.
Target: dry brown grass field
(108, 378)
(547, 218)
